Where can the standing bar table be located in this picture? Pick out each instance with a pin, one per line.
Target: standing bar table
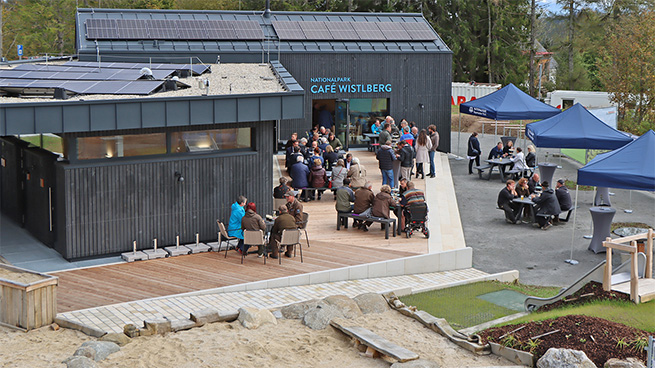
(602, 219)
(547, 171)
(602, 197)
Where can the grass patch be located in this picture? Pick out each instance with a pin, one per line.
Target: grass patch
(616, 225)
(52, 144)
(571, 185)
(634, 315)
(462, 308)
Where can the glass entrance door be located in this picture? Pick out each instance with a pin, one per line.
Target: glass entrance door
(342, 122)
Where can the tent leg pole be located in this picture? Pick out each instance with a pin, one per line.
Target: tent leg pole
(575, 211)
(459, 139)
(591, 224)
(629, 209)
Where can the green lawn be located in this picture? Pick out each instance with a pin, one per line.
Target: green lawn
(52, 144)
(641, 316)
(462, 308)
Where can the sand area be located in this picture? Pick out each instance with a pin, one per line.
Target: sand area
(287, 344)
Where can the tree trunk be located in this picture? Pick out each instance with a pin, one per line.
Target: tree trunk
(489, 69)
(571, 5)
(533, 19)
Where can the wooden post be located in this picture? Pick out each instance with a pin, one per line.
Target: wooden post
(607, 277)
(648, 274)
(634, 277)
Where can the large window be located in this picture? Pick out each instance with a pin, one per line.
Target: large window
(211, 140)
(121, 146)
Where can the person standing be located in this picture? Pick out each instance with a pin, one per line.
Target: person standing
(406, 157)
(385, 134)
(236, 214)
(434, 139)
(473, 153)
(386, 157)
(423, 149)
(252, 221)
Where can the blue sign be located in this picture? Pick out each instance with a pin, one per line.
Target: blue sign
(20, 50)
(335, 85)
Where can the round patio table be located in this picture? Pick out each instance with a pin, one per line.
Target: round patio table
(602, 219)
(546, 172)
(602, 197)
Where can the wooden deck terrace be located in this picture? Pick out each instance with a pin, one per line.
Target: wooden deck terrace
(330, 249)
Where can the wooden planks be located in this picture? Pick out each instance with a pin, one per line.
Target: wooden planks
(377, 343)
(92, 287)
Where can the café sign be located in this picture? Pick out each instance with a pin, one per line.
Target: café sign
(334, 85)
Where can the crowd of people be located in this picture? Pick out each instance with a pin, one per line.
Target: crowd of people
(548, 202)
(244, 216)
(363, 202)
(521, 162)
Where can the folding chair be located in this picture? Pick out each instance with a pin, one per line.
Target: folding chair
(252, 238)
(290, 237)
(222, 235)
(302, 225)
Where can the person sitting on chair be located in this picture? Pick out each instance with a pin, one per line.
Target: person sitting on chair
(345, 196)
(531, 157)
(364, 198)
(508, 150)
(252, 221)
(563, 198)
(284, 221)
(519, 161)
(522, 188)
(330, 157)
(382, 203)
(533, 183)
(299, 174)
(294, 207)
(318, 179)
(236, 214)
(278, 192)
(546, 204)
(512, 210)
(334, 142)
(496, 151)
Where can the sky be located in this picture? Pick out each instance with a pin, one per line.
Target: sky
(550, 5)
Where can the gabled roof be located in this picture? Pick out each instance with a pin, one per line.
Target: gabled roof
(271, 41)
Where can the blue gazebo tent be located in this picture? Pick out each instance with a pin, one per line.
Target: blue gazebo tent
(508, 103)
(575, 127)
(629, 167)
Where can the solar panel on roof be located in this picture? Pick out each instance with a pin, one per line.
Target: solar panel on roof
(197, 68)
(101, 29)
(82, 87)
(367, 31)
(288, 30)
(342, 30)
(419, 31)
(248, 30)
(161, 29)
(131, 29)
(315, 30)
(393, 31)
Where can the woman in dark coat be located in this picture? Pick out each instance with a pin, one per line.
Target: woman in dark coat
(473, 152)
(317, 178)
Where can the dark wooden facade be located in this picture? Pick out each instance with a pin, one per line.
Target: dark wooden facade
(106, 205)
(417, 79)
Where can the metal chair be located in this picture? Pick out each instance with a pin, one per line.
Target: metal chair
(222, 235)
(302, 225)
(290, 237)
(252, 238)
(277, 202)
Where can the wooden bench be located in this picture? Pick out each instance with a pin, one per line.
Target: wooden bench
(375, 344)
(386, 222)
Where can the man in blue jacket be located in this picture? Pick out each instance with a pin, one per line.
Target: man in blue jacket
(299, 175)
(386, 156)
(234, 227)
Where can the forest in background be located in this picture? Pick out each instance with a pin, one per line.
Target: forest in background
(599, 45)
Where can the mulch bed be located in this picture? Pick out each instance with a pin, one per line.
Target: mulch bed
(590, 292)
(600, 339)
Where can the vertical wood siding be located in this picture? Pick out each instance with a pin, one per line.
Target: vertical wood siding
(415, 78)
(107, 207)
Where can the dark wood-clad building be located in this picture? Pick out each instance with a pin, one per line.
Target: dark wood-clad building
(160, 165)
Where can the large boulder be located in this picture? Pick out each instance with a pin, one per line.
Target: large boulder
(418, 363)
(319, 317)
(102, 348)
(79, 362)
(252, 318)
(298, 310)
(371, 303)
(347, 306)
(565, 358)
(119, 339)
(628, 363)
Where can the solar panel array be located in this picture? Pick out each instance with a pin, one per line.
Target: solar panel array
(197, 68)
(71, 74)
(22, 86)
(172, 29)
(354, 31)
